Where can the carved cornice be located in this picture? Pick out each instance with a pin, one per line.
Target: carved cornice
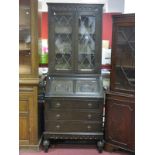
(72, 7)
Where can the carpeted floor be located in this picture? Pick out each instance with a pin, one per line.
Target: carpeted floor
(70, 150)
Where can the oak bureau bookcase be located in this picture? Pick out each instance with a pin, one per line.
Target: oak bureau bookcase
(74, 93)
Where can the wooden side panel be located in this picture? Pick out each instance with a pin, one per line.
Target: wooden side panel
(24, 130)
(28, 113)
(119, 125)
(23, 107)
(25, 100)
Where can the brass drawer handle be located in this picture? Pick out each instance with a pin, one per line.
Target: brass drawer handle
(88, 127)
(58, 104)
(89, 116)
(58, 126)
(57, 115)
(90, 105)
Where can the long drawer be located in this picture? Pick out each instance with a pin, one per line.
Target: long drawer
(73, 126)
(73, 104)
(73, 115)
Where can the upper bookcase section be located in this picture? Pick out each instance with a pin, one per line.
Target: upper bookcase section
(74, 38)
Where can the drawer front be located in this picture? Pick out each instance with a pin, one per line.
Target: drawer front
(73, 115)
(73, 126)
(73, 104)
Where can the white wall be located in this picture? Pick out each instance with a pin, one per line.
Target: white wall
(114, 6)
(129, 6)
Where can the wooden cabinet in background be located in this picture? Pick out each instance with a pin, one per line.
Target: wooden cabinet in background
(120, 100)
(28, 74)
(28, 118)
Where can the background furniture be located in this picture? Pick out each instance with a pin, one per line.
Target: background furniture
(28, 73)
(120, 100)
(74, 94)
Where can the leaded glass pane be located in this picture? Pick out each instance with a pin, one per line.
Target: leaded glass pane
(63, 24)
(86, 43)
(125, 58)
(85, 86)
(63, 42)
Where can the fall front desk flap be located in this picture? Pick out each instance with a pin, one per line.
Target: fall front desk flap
(74, 86)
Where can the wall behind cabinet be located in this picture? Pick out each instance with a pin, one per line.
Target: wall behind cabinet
(44, 33)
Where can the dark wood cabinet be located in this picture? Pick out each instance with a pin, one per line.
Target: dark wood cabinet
(120, 100)
(74, 93)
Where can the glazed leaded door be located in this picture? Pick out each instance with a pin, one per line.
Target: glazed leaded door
(123, 57)
(25, 39)
(74, 39)
(62, 45)
(86, 43)
(88, 37)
